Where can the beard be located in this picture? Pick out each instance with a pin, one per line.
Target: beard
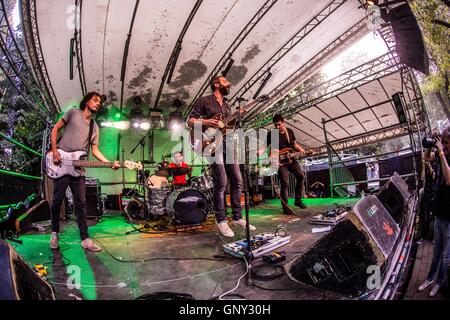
(224, 90)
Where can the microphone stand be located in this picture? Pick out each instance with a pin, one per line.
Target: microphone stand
(244, 173)
(141, 143)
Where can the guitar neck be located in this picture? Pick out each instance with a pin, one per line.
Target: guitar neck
(92, 164)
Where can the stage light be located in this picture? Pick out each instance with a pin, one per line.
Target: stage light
(121, 125)
(175, 120)
(145, 125)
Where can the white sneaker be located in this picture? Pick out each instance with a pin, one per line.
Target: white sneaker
(88, 244)
(225, 229)
(425, 285)
(54, 241)
(435, 290)
(242, 223)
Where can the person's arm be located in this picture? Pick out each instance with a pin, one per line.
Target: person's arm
(97, 153)
(198, 110)
(54, 135)
(444, 165)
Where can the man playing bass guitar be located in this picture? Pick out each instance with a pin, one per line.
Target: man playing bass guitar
(287, 140)
(202, 116)
(78, 128)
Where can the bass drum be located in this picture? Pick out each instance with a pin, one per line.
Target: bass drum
(187, 207)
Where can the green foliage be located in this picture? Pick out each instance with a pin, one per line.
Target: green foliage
(433, 17)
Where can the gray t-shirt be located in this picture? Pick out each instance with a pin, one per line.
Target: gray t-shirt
(76, 132)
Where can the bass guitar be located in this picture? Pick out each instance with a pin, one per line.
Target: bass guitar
(288, 155)
(72, 162)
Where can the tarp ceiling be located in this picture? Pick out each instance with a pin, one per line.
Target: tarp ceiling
(106, 23)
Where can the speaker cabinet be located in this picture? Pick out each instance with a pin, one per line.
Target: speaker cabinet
(339, 262)
(37, 213)
(18, 281)
(408, 38)
(394, 196)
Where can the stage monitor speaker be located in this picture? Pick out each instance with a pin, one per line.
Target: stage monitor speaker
(399, 107)
(37, 213)
(408, 38)
(394, 196)
(18, 281)
(339, 262)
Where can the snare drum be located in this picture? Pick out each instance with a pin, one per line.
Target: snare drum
(187, 206)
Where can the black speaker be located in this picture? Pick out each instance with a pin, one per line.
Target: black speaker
(37, 213)
(18, 281)
(394, 196)
(339, 262)
(399, 107)
(95, 206)
(408, 38)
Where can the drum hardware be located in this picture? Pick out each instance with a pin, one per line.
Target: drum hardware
(145, 210)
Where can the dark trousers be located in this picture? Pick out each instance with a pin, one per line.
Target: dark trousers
(220, 173)
(78, 189)
(283, 173)
(426, 204)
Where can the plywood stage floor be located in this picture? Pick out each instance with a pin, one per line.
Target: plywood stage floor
(190, 262)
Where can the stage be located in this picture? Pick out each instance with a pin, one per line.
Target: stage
(184, 262)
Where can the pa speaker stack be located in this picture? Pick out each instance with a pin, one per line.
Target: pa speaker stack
(342, 260)
(408, 38)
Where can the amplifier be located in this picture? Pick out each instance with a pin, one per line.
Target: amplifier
(94, 202)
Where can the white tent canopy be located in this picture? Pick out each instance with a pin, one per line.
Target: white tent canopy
(105, 25)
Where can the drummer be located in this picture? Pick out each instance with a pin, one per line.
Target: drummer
(179, 180)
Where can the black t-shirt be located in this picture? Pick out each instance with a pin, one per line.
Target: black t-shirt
(283, 139)
(442, 208)
(207, 107)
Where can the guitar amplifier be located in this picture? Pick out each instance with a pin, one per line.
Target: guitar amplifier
(94, 201)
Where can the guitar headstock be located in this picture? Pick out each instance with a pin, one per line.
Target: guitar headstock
(133, 165)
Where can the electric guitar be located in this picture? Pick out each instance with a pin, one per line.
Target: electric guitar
(288, 155)
(71, 162)
(208, 140)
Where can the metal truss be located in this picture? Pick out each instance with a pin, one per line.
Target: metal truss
(170, 67)
(14, 67)
(306, 70)
(365, 73)
(264, 70)
(227, 56)
(78, 46)
(34, 49)
(365, 139)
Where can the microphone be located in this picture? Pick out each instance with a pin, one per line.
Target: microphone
(240, 99)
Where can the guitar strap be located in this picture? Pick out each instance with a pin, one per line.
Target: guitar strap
(91, 129)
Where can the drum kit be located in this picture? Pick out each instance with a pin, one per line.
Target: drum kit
(183, 205)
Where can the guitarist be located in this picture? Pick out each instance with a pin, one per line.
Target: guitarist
(78, 128)
(287, 140)
(202, 114)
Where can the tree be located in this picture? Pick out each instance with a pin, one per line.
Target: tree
(433, 18)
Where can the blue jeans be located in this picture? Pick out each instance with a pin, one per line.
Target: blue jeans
(441, 247)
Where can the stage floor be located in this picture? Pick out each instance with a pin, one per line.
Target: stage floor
(182, 262)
